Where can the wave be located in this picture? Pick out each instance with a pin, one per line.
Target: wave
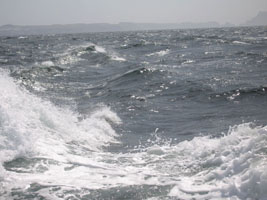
(54, 152)
(129, 79)
(32, 126)
(30, 78)
(88, 52)
(117, 58)
(240, 43)
(160, 53)
(250, 54)
(232, 166)
(242, 92)
(55, 149)
(97, 54)
(133, 45)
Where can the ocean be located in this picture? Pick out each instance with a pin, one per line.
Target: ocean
(168, 114)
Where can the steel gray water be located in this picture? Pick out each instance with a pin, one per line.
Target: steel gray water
(145, 94)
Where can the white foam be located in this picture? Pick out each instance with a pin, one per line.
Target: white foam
(72, 54)
(117, 58)
(210, 52)
(100, 49)
(231, 166)
(234, 166)
(3, 60)
(160, 53)
(65, 59)
(112, 55)
(22, 37)
(48, 63)
(239, 42)
(30, 125)
(188, 62)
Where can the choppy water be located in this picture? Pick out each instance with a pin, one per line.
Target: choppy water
(135, 115)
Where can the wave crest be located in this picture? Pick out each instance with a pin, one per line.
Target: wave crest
(30, 125)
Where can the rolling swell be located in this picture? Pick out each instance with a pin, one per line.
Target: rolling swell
(242, 93)
(125, 84)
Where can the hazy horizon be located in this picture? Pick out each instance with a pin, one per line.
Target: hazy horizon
(37, 12)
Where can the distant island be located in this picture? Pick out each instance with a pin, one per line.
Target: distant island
(13, 30)
(97, 27)
(259, 20)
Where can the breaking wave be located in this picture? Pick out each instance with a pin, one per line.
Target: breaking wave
(33, 126)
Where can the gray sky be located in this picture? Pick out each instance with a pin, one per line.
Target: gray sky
(39, 12)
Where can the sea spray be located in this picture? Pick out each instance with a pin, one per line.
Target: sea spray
(33, 125)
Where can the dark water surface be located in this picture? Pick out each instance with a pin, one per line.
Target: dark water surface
(175, 114)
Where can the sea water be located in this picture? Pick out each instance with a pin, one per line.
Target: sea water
(171, 114)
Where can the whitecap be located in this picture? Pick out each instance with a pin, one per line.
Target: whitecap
(22, 37)
(239, 42)
(100, 49)
(117, 58)
(30, 125)
(160, 53)
(48, 63)
(188, 62)
(234, 165)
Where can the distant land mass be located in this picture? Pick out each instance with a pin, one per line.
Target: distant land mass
(14, 30)
(259, 20)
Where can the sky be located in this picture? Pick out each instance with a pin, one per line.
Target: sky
(46, 12)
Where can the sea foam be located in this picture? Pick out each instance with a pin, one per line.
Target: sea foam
(234, 165)
(31, 125)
